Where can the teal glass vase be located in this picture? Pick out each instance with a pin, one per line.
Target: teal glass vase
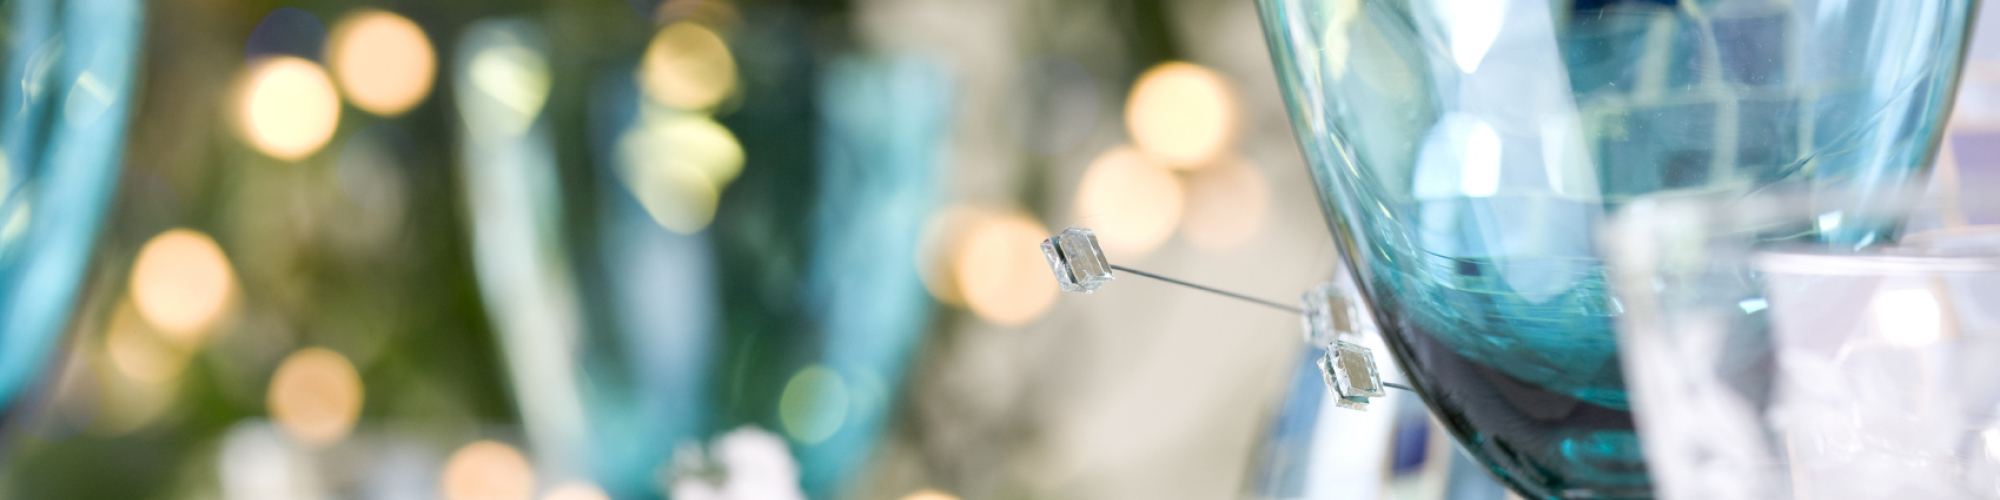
(1465, 152)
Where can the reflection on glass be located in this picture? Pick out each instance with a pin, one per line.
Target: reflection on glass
(70, 68)
(1467, 148)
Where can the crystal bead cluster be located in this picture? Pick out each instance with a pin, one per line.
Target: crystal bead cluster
(1329, 315)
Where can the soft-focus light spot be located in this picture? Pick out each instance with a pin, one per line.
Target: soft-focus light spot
(577, 491)
(257, 462)
(384, 62)
(1829, 221)
(1481, 174)
(137, 372)
(679, 197)
(1182, 114)
(181, 282)
(315, 396)
(688, 67)
(938, 246)
(1908, 317)
(1226, 205)
(814, 404)
(517, 78)
(1991, 436)
(677, 165)
(1001, 271)
(138, 352)
(289, 108)
(488, 470)
(1132, 205)
(700, 142)
(1751, 306)
(929, 495)
(1472, 25)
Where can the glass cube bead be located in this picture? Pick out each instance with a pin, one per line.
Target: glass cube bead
(1330, 313)
(1349, 369)
(1076, 260)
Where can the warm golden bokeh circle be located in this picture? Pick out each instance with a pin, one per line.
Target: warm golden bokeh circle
(1131, 204)
(288, 107)
(939, 245)
(929, 494)
(488, 470)
(181, 282)
(1181, 114)
(688, 66)
(383, 61)
(315, 396)
(1001, 271)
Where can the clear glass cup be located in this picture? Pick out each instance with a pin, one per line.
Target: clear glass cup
(1767, 364)
(1465, 151)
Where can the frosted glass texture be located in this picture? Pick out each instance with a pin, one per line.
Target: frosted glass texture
(1465, 150)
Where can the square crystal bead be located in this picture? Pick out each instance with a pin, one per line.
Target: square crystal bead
(1350, 370)
(1077, 261)
(1329, 314)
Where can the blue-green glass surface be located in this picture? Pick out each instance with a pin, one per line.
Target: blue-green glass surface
(1465, 151)
(70, 67)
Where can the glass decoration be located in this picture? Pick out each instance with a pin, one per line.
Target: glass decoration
(1465, 151)
(1076, 259)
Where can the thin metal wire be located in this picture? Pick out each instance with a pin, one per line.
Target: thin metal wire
(1259, 301)
(1254, 300)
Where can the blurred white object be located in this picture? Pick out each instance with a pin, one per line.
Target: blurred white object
(1808, 369)
(749, 463)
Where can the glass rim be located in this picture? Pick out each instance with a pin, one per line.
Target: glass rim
(1872, 264)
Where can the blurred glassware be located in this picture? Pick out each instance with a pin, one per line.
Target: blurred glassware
(1464, 150)
(607, 285)
(63, 134)
(1765, 366)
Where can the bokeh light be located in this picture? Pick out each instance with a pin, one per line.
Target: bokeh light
(688, 66)
(677, 165)
(488, 470)
(1181, 114)
(577, 491)
(1001, 271)
(289, 108)
(1132, 204)
(814, 404)
(928, 494)
(1908, 317)
(138, 351)
(315, 396)
(1227, 204)
(516, 77)
(181, 282)
(939, 245)
(384, 62)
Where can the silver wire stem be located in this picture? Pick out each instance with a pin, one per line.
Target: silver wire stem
(1237, 296)
(1258, 301)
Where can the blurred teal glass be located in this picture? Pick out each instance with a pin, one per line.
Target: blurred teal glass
(1464, 151)
(70, 75)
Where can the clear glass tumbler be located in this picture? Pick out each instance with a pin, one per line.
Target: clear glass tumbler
(1764, 366)
(1466, 150)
